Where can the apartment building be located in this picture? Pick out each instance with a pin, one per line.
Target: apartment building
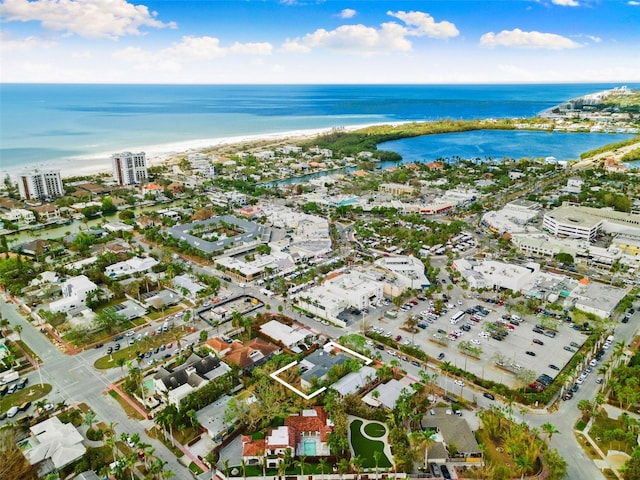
(42, 185)
(129, 168)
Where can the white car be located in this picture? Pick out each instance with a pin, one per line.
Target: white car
(483, 335)
(12, 412)
(475, 341)
(459, 383)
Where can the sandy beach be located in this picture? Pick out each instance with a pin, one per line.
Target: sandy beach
(157, 154)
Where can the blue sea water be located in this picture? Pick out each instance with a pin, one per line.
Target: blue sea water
(47, 123)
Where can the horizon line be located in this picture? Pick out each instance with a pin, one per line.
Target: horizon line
(618, 82)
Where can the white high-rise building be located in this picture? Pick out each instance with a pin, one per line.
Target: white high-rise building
(129, 168)
(43, 185)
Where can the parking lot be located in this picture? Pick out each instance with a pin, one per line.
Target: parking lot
(511, 350)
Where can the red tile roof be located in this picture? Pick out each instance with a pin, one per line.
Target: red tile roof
(299, 424)
(252, 448)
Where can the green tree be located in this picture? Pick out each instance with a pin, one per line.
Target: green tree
(89, 419)
(108, 319)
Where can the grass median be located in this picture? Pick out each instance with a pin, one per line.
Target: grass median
(130, 352)
(30, 393)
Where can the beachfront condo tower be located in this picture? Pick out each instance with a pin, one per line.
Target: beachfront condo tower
(40, 185)
(129, 168)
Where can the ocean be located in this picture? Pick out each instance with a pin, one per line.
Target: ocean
(41, 125)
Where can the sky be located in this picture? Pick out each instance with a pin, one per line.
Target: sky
(319, 41)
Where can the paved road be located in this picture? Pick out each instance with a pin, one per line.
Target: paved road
(75, 380)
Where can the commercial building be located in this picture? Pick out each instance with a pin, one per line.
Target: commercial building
(511, 218)
(74, 294)
(129, 168)
(585, 222)
(347, 290)
(41, 185)
(493, 274)
(627, 245)
(597, 298)
(409, 271)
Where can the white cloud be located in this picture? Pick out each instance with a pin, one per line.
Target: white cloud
(189, 49)
(424, 25)
(566, 3)
(263, 48)
(388, 37)
(86, 18)
(196, 48)
(10, 44)
(519, 39)
(347, 13)
(633, 3)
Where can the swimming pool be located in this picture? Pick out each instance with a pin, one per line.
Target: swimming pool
(309, 447)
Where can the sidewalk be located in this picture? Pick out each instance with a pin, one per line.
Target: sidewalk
(603, 463)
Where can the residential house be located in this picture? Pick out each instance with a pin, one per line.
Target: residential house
(46, 212)
(74, 294)
(193, 374)
(452, 430)
(130, 267)
(317, 365)
(53, 445)
(187, 286)
(253, 354)
(162, 299)
(20, 215)
(306, 434)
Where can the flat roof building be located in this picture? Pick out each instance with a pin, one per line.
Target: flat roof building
(584, 222)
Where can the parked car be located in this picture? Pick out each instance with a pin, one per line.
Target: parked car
(568, 349)
(99, 345)
(12, 412)
(24, 407)
(488, 395)
(554, 367)
(529, 352)
(441, 356)
(538, 341)
(445, 472)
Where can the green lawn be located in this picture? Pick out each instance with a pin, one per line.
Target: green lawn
(364, 447)
(375, 429)
(30, 393)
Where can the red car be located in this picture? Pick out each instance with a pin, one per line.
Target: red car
(398, 338)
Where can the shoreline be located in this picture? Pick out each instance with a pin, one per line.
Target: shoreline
(158, 154)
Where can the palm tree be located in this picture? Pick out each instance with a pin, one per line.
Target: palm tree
(377, 455)
(301, 463)
(549, 429)
(243, 465)
(121, 362)
(523, 465)
(18, 330)
(226, 467)
(322, 464)
(61, 405)
(356, 464)
(89, 419)
(423, 440)
(343, 466)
